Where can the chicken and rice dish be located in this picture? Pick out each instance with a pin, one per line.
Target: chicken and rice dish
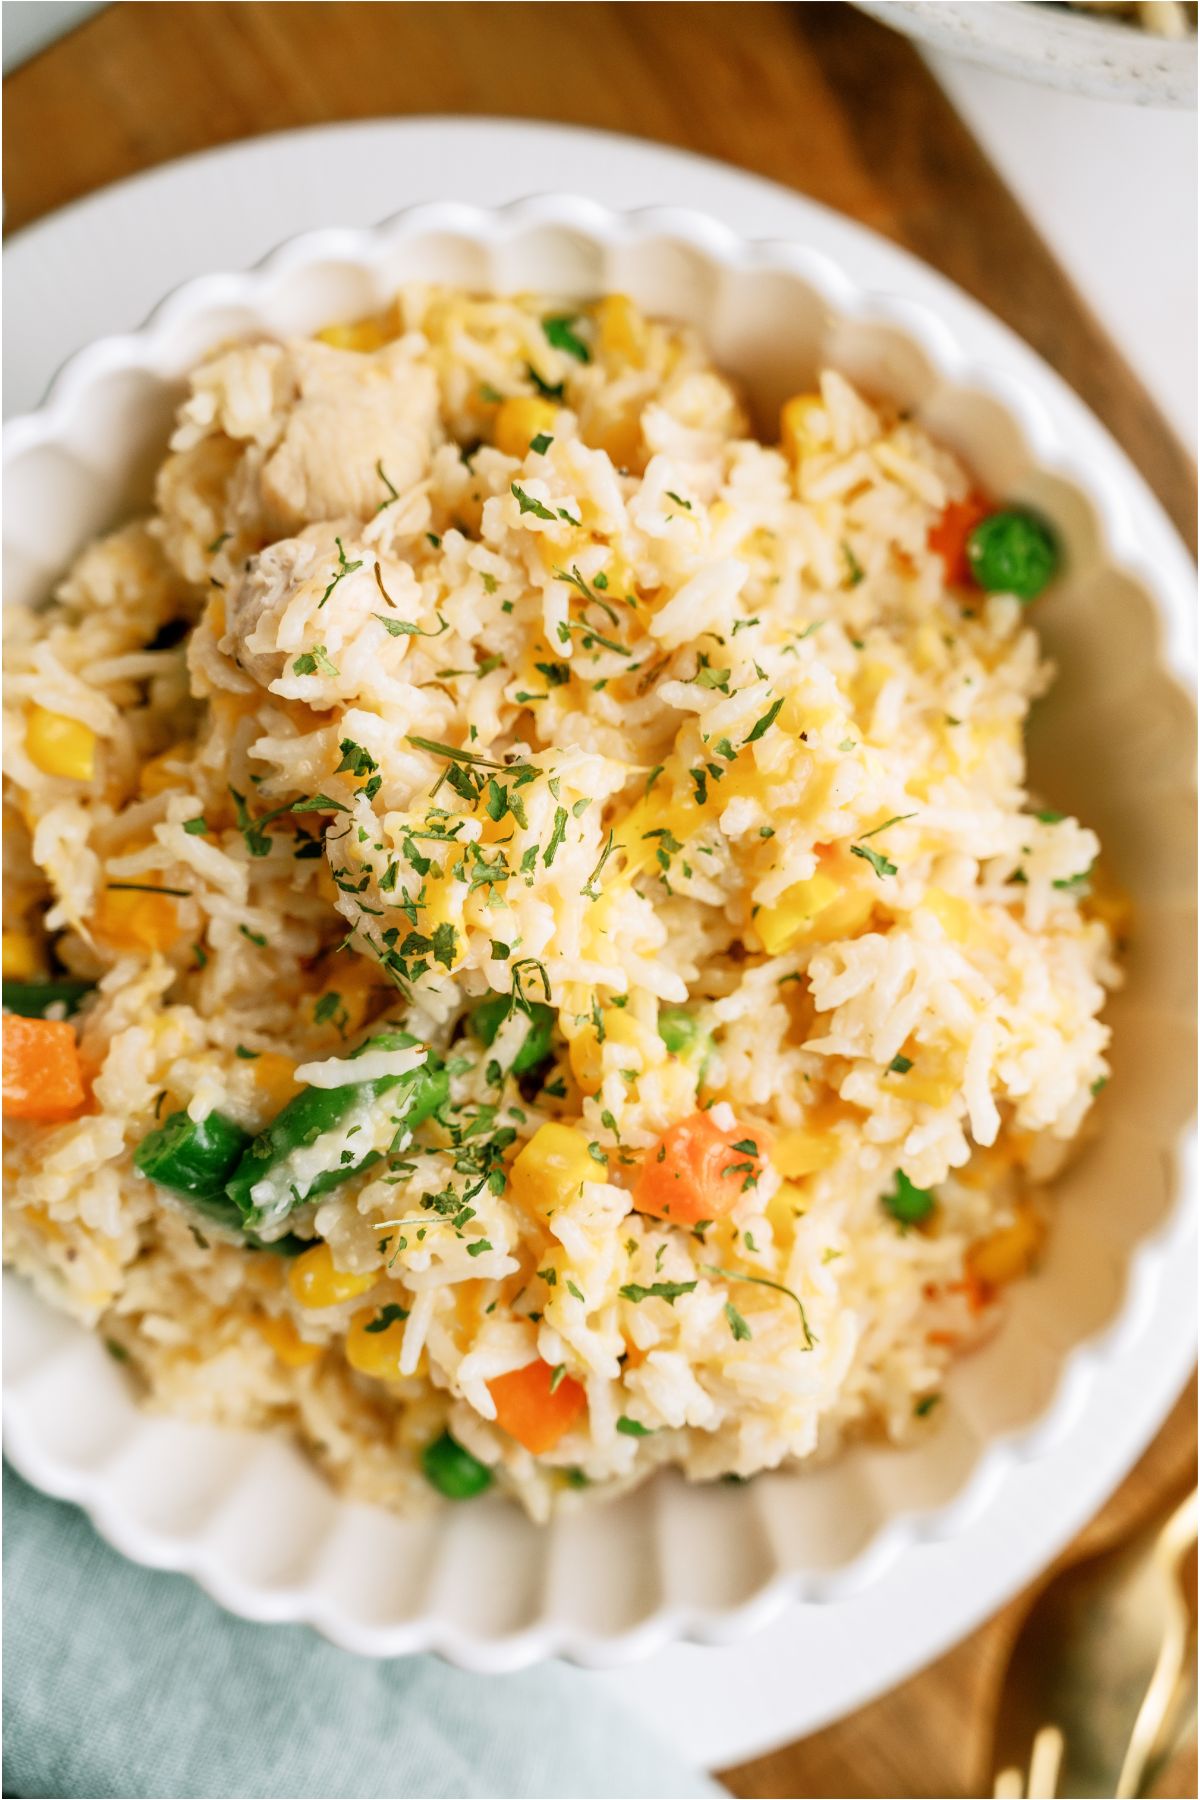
(530, 954)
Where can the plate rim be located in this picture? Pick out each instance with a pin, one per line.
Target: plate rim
(844, 226)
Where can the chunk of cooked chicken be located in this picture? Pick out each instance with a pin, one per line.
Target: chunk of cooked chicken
(354, 416)
(315, 425)
(295, 570)
(303, 618)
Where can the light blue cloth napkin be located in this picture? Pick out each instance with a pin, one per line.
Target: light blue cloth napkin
(125, 1682)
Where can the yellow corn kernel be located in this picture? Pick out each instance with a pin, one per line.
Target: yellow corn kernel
(156, 777)
(315, 1280)
(519, 420)
(276, 1076)
(372, 1346)
(550, 1168)
(983, 742)
(956, 917)
(622, 328)
(934, 1090)
(59, 745)
(844, 917)
(801, 425)
(653, 816)
(361, 334)
(469, 1301)
(621, 1027)
(801, 1152)
(586, 1057)
(929, 649)
(1009, 1252)
(779, 926)
(40, 1219)
(619, 572)
(620, 437)
(135, 921)
(783, 1209)
(869, 681)
(20, 957)
(343, 1004)
(554, 554)
(990, 1165)
(293, 1351)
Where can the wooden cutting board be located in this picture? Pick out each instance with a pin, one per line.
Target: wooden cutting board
(815, 96)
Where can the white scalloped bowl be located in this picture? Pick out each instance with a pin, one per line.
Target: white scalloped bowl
(480, 1584)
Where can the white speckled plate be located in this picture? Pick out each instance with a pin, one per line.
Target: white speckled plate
(896, 1555)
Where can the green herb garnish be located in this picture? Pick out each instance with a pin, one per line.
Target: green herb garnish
(344, 568)
(559, 332)
(658, 1290)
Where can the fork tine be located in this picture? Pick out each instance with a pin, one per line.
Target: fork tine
(1010, 1785)
(1045, 1762)
(1177, 1534)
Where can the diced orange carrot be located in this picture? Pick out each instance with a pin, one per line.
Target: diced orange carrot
(535, 1409)
(977, 1294)
(42, 1075)
(948, 537)
(697, 1171)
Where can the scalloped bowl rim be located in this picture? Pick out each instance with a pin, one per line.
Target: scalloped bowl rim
(1102, 476)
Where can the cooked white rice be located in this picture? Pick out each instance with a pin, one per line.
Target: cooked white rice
(895, 955)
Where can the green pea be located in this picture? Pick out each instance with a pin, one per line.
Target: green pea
(489, 1016)
(908, 1204)
(684, 1036)
(678, 1029)
(1012, 553)
(452, 1470)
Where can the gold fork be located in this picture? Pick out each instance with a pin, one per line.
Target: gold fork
(1101, 1680)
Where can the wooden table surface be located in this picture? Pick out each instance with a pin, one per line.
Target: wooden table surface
(815, 96)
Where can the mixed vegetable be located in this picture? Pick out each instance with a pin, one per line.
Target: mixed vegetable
(452, 1470)
(490, 1015)
(697, 1172)
(193, 1157)
(270, 1160)
(43, 1077)
(693, 1177)
(33, 999)
(1002, 551)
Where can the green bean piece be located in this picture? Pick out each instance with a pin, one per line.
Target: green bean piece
(489, 1016)
(313, 1113)
(194, 1157)
(290, 1244)
(32, 999)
